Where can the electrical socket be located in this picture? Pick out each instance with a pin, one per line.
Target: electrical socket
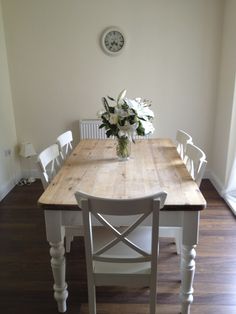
(7, 152)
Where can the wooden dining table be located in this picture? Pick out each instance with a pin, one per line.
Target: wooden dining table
(93, 168)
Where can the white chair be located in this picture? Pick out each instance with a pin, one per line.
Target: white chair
(195, 162)
(182, 139)
(48, 162)
(64, 142)
(121, 255)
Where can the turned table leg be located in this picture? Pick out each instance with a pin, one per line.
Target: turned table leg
(55, 236)
(57, 252)
(187, 272)
(188, 254)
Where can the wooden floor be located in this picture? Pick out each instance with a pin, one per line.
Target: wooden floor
(26, 278)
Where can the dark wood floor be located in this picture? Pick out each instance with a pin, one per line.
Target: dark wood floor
(26, 279)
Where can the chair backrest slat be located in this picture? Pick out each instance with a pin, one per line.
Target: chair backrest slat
(182, 139)
(195, 162)
(64, 142)
(48, 163)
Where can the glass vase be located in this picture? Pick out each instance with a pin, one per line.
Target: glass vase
(123, 148)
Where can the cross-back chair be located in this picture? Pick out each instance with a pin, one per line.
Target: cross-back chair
(182, 138)
(121, 255)
(64, 142)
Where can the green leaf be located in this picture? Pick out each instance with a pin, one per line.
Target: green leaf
(109, 133)
(105, 103)
(102, 126)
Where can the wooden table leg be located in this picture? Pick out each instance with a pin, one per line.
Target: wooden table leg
(188, 254)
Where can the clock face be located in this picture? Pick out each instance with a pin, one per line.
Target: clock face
(113, 41)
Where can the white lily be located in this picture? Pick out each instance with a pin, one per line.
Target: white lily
(148, 127)
(119, 115)
(142, 111)
(124, 113)
(113, 119)
(100, 113)
(144, 102)
(128, 130)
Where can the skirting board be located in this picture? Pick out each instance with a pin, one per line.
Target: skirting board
(219, 186)
(8, 186)
(231, 202)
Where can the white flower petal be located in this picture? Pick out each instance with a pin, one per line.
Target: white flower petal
(121, 96)
(148, 127)
(113, 118)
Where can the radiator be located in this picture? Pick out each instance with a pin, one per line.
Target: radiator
(89, 129)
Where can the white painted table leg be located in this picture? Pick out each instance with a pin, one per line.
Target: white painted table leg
(55, 236)
(57, 252)
(188, 254)
(187, 272)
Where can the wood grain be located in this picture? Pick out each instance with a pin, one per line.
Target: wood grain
(94, 169)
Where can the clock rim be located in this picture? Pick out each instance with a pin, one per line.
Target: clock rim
(104, 34)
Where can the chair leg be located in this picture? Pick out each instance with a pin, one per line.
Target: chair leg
(69, 239)
(92, 298)
(153, 292)
(178, 240)
(172, 232)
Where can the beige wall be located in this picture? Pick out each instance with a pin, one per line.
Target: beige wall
(59, 72)
(9, 168)
(225, 127)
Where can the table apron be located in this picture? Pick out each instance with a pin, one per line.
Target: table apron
(56, 220)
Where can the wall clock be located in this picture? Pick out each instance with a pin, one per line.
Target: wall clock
(113, 40)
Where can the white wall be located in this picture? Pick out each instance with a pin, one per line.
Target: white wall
(59, 72)
(225, 128)
(9, 168)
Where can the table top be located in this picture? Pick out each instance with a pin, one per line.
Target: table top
(93, 168)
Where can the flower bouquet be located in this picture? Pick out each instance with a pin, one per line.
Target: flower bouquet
(126, 119)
